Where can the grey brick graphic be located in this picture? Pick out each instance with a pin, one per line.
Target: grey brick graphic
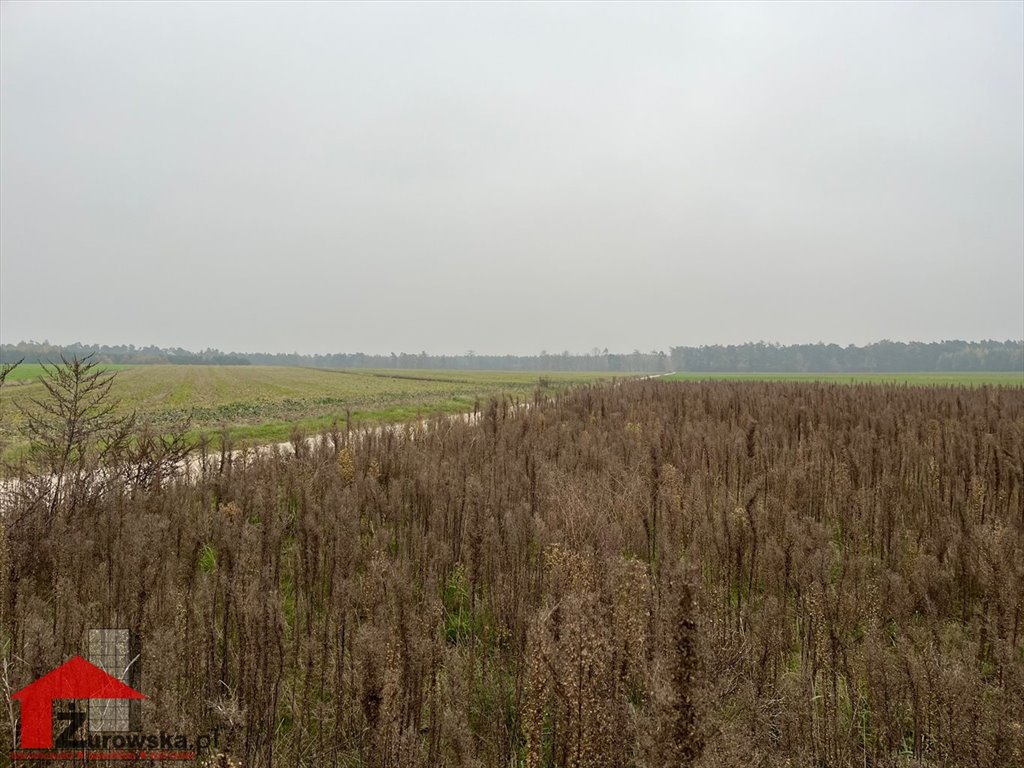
(110, 650)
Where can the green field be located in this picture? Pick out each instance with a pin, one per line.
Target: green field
(264, 403)
(916, 379)
(32, 371)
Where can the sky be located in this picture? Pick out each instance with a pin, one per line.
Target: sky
(508, 178)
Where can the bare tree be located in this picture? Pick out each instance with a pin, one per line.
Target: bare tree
(7, 368)
(151, 456)
(76, 429)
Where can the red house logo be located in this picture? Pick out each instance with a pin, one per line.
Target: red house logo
(76, 679)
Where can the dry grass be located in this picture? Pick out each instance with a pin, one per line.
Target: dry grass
(642, 574)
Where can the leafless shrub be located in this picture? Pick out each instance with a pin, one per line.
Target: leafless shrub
(638, 574)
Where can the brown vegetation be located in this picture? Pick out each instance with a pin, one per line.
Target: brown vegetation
(639, 574)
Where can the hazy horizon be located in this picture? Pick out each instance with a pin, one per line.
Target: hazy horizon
(509, 178)
(495, 353)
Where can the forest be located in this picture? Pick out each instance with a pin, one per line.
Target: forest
(635, 573)
(882, 356)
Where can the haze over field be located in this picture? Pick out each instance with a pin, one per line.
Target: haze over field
(510, 178)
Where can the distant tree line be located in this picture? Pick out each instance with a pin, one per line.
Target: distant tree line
(883, 356)
(634, 362)
(596, 360)
(128, 354)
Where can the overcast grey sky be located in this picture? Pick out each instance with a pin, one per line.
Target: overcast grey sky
(510, 178)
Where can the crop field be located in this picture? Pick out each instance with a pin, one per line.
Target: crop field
(705, 574)
(264, 403)
(950, 379)
(27, 372)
